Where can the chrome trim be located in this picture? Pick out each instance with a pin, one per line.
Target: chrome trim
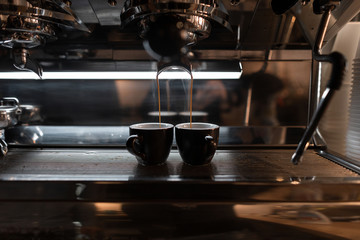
(342, 160)
(47, 16)
(134, 10)
(9, 112)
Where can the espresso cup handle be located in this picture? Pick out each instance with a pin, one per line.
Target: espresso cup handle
(209, 138)
(212, 144)
(130, 146)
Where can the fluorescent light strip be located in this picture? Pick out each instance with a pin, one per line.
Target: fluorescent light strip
(119, 75)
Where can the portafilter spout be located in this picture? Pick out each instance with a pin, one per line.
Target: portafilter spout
(170, 27)
(23, 61)
(338, 62)
(168, 36)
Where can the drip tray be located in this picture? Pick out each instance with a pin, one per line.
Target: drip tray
(255, 165)
(114, 175)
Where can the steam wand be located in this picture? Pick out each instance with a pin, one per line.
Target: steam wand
(338, 62)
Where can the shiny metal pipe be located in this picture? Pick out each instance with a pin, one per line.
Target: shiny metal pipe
(339, 62)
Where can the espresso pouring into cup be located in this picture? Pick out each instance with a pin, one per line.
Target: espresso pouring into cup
(196, 142)
(181, 64)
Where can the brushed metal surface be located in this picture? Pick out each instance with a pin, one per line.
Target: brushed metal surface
(256, 165)
(100, 175)
(84, 11)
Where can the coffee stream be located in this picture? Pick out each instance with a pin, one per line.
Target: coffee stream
(190, 102)
(158, 88)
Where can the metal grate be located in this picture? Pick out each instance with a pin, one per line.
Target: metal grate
(265, 165)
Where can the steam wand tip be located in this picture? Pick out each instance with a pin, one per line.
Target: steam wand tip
(296, 158)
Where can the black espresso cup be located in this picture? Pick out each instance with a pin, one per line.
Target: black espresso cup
(197, 144)
(150, 143)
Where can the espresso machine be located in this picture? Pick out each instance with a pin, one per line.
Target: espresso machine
(280, 78)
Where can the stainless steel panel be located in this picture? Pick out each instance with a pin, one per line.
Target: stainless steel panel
(84, 11)
(279, 96)
(107, 14)
(96, 136)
